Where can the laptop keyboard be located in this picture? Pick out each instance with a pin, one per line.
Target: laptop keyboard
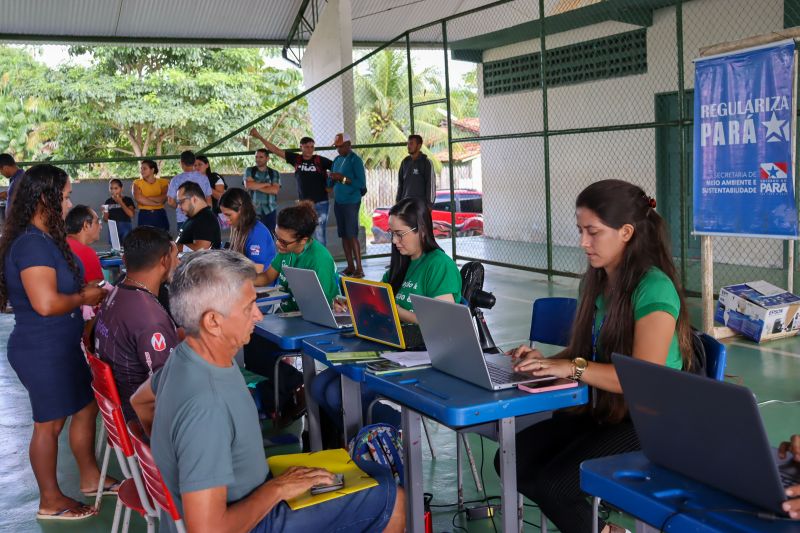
(789, 477)
(343, 320)
(500, 375)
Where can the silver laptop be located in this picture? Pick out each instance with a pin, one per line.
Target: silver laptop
(311, 299)
(455, 349)
(113, 233)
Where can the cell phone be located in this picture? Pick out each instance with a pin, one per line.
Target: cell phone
(548, 385)
(338, 483)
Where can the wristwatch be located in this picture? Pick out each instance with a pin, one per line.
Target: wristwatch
(579, 365)
(344, 180)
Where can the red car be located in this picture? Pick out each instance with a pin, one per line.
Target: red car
(469, 216)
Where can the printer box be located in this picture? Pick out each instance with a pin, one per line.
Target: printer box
(759, 311)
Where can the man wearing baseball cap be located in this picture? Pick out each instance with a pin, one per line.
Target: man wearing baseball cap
(350, 184)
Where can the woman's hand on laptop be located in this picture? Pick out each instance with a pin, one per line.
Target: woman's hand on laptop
(340, 305)
(525, 358)
(791, 506)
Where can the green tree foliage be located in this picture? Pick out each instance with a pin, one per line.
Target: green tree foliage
(153, 101)
(23, 118)
(381, 97)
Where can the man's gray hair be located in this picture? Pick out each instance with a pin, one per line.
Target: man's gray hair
(207, 280)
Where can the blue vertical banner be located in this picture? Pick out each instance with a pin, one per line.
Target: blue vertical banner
(743, 164)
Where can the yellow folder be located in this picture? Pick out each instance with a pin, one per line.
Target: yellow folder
(336, 461)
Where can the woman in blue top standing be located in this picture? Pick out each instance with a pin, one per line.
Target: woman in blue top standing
(248, 235)
(631, 303)
(42, 280)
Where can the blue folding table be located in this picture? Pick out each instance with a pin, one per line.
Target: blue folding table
(663, 499)
(454, 403)
(288, 332)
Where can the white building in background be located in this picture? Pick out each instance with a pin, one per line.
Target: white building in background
(514, 198)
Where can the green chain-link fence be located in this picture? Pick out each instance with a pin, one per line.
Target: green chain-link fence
(524, 111)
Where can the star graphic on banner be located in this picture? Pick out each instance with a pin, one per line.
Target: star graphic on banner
(774, 126)
(773, 171)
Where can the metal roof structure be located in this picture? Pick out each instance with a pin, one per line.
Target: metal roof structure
(222, 23)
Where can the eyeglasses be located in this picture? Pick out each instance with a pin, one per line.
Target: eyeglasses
(283, 243)
(400, 234)
(181, 200)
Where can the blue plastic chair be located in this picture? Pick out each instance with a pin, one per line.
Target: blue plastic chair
(716, 357)
(551, 320)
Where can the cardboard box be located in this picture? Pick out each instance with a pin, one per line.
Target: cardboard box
(759, 311)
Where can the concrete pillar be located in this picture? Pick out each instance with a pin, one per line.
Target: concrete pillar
(332, 107)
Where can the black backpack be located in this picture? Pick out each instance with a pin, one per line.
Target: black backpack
(699, 360)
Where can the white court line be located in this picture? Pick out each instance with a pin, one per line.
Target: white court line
(765, 349)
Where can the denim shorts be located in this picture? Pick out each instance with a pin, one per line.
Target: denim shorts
(366, 510)
(346, 219)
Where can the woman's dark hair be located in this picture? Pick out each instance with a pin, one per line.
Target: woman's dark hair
(415, 213)
(238, 200)
(41, 185)
(204, 159)
(300, 218)
(618, 203)
(152, 164)
(77, 217)
(117, 181)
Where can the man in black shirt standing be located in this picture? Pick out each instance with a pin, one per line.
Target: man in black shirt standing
(416, 178)
(201, 229)
(311, 173)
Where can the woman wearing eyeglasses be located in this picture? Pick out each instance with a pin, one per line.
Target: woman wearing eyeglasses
(249, 236)
(294, 237)
(418, 265)
(296, 248)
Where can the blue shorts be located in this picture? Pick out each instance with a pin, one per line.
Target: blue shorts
(346, 219)
(367, 510)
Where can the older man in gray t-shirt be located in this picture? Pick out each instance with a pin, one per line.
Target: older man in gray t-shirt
(206, 437)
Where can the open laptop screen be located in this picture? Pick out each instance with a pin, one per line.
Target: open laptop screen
(373, 311)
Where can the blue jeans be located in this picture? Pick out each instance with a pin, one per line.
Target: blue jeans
(123, 228)
(153, 217)
(321, 233)
(269, 220)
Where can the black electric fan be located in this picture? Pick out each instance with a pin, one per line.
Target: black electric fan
(477, 299)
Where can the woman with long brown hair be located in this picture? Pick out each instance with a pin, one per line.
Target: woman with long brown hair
(42, 280)
(631, 303)
(249, 236)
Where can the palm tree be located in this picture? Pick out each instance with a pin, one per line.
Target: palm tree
(381, 96)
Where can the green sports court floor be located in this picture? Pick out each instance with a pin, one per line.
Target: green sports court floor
(772, 371)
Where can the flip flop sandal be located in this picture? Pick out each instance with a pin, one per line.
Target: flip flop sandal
(62, 514)
(358, 274)
(108, 490)
(347, 272)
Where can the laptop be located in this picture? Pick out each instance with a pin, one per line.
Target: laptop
(311, 300)
(455, 349)
(374, 315)
(707, 430)
(116, 247)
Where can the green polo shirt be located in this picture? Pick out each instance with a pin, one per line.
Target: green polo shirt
(313, 257)
(432, 274)
(655, 292)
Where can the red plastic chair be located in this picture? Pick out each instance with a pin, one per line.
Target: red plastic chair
(108, 401)
(153, 481)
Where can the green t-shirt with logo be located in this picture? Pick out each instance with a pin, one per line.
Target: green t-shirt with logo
(432, 274)
(655, 292)
(313, 257)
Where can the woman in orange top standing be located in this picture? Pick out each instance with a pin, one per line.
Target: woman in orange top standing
(150, 193)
